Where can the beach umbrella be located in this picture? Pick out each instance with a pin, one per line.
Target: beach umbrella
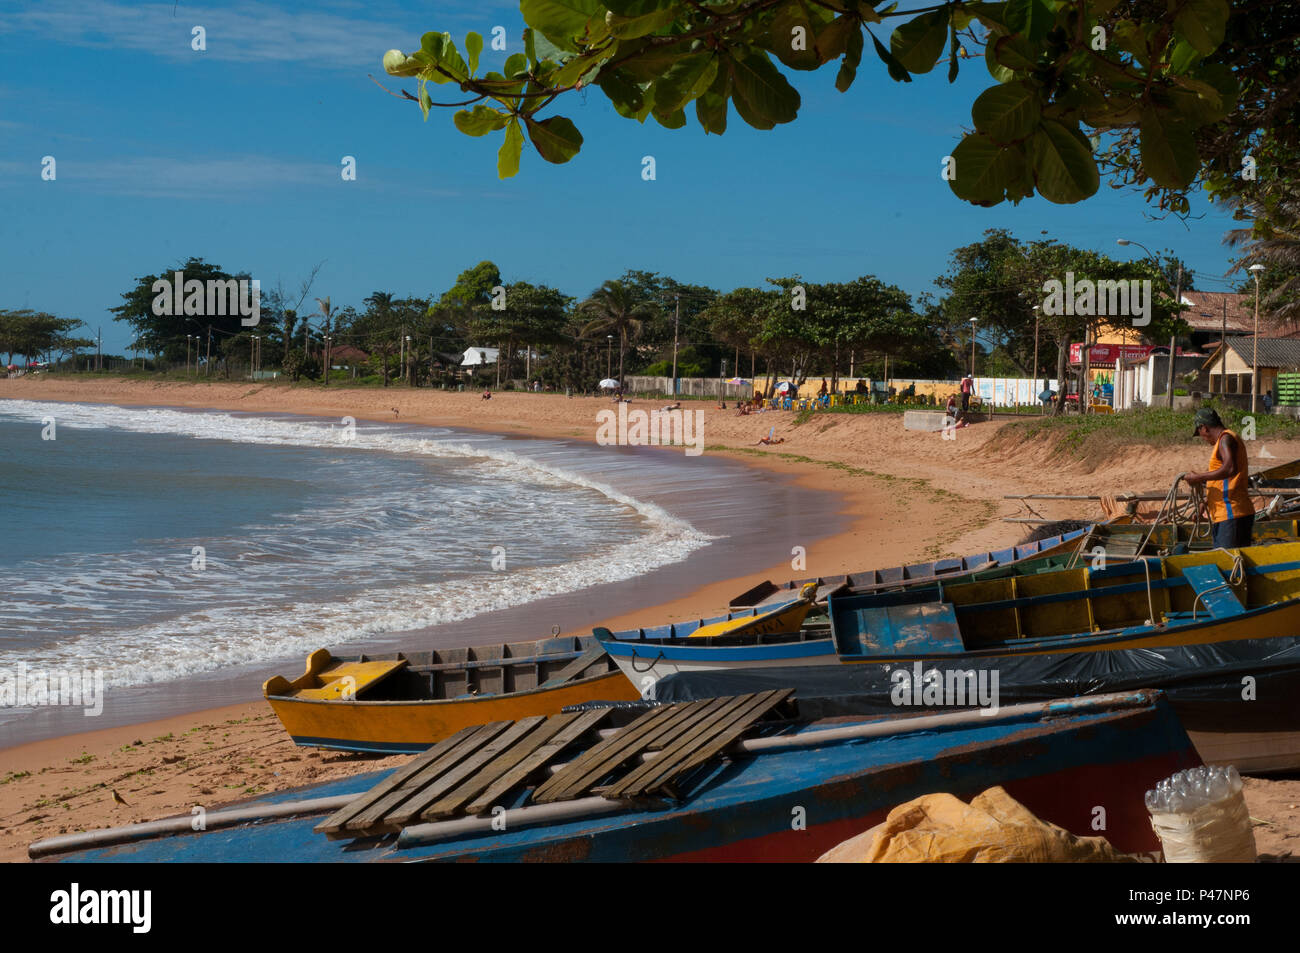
(784, 387)
(737, 380)
(608, 384)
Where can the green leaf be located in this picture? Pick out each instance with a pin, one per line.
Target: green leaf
(397, 63)
(1183, 57)
(833, 40)
(1030, 18)
(511, 149)
(473, 47)
(1064, 168)
(530, 47)
(669, 118)
(1168, 149)
(622, 92)
(1202, 23)
(711, 111)
(630, 27)
(896, 70)
(561, 21)
(425, 102)
(1014, 52)
(516, 66)
(919, 43)
(685, 80)
(790, 26)
(765, 93)
(1007, 113)
(849, 67)
(982, 171)
(557, 139)
(480, 120)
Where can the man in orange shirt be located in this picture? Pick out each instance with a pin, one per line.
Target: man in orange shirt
(1232, 515)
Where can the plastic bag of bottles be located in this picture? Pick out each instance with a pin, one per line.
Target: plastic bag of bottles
(1201, 817)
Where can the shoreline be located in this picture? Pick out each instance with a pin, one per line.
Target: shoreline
(902, 498)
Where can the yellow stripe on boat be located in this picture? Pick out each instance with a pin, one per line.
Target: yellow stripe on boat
(776, 622)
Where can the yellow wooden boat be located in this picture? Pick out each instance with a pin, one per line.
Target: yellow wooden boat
(407, 701)
(779, 621)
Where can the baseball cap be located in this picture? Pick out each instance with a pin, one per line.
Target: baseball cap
(1206, 417)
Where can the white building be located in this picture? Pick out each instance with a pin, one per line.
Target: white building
(476, 356)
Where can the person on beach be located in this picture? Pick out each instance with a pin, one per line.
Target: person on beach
(1232, 515)
(665, 409)
(967, 385)
(487, 395)
(822, 392)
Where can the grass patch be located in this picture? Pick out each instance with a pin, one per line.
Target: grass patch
(84, 759)
(1098, 434)
(15, 776)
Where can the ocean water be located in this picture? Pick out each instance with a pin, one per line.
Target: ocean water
(153, 544)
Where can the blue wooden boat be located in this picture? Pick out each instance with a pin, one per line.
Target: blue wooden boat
(1198, 598)
(778, 789)
(768, 593)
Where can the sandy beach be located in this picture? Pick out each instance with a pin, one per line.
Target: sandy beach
(904, 497)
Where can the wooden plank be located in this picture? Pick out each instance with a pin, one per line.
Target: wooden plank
(378, 809)
(575, 668)
(680, 744)
(739, 709)
(567, 729)
(723, 737)
(610, 753)
(408, 770)
(438, 788)
(454, 800)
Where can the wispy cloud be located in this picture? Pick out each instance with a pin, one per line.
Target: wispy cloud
(241, 32)
(188, 177)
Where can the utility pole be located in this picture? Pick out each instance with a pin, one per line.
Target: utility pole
(1223, 351)
(99, 350)
(677, 317)
(207, 363)
(1173, 339)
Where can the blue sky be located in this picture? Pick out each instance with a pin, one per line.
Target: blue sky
(233, 155)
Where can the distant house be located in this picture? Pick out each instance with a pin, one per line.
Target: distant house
(1215, 314)
(475, 356)
(1231, 366)
(347, 356)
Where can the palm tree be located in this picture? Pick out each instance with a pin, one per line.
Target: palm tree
(610, 308)
(1274, 242)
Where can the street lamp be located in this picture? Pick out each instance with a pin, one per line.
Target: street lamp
(1255, 270)
(609, 352)
(1035, 395)
(972, 349)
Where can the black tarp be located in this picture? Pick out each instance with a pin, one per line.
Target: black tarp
(1248, 685)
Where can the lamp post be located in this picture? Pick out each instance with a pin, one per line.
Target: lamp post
(972, 349)
(609, 355)
(1255, 270)
(187, 354)
(1040, 403)
(406, 366)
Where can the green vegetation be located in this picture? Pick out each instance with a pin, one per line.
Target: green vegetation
(1097, 434)
(1181, 90)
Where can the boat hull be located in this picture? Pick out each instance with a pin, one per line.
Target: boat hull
(1236, 700)
(395, 727)
(785, 805)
